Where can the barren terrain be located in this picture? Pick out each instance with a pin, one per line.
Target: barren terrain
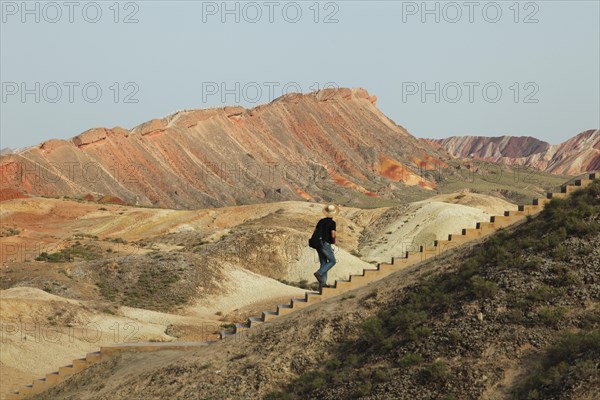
(109, 273)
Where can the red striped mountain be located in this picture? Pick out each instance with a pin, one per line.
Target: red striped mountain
(332, 144)
(579, 154)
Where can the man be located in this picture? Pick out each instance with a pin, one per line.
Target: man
(326, 226)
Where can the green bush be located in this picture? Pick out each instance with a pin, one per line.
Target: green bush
(564, 277)
(483, 289)
(454, 336)
(7, 232)
(437, 370)
(363, 389)
(561, 253)
(410, 359)
(569, 362)
(418, 333)
(311, 380)
(407, 316)
(514, 316)
(543, 293)
(533, 264)
(372, 330)
(551, 315)
(381, 375)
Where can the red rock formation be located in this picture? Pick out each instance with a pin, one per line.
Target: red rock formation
(9, 194)
(89, 137)
(110, 199)
(579, 154)
(298, 146)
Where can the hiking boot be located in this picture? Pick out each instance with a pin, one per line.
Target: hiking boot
(319, 277)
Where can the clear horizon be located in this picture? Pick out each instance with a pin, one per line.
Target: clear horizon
(438, 69)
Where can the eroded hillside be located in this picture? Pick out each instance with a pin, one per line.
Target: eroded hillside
(517, 316)
(332, 144)
(578, 154)
(179, 275)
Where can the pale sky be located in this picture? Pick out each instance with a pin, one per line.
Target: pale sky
(483, 68)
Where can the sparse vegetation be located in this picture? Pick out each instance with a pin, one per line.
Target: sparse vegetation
(87, 251)
(9, 231)
(551, 315)
(303, 284)
(534, 253)
(573, 359)
(85, 236)
(116, 240)
(410, 359)
(356, 253)
(437, 370)
(153, 283)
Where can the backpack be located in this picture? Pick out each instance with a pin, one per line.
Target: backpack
(316, 240)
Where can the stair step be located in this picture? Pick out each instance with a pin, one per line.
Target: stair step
(79, 364)
(38, 386)
(224, 334)
(530, 209)
(313, 297)
(502, 221)
(430, 249)
(26, 390)
(556, 195)
(53, 378)
(583, 182)
(342, 284)
(569, 188)
(445, 245)
(93, 358)
(473, 232)
(415, 258)
(237, 328)
(592, 176)
(514, 213)
(269, 315)
(367, 276)
(399, 260)
(299, 303)
(486, 227)
(254, 321)
(284, 309)
(458, 239)
(329, 292)
(386, 267)
(66, 371)
(541, 202)
(358, 280)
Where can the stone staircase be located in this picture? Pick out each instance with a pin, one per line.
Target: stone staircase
(420, 254)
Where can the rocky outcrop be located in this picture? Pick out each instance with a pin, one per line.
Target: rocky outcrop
(489, 147)
(579, 154)
(322, 146)
(89, 137)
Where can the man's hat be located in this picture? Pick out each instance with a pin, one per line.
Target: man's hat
(331, 210)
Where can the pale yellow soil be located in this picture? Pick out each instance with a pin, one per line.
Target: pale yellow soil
(41, 332)
(246, 289)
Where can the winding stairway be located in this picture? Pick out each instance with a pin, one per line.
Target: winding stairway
(369, 275)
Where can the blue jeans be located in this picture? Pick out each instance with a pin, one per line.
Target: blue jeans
(327, 260)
